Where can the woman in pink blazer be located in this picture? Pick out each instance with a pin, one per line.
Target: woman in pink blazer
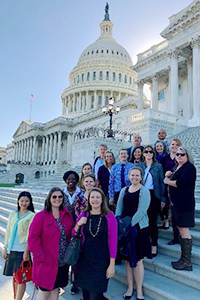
(49, 235)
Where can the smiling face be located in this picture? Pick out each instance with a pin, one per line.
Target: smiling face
(159, 148)
(123, 155)
(109, 158)
(56, 199)
(135, 177)
(148, 154)
(86, 169)
(95, 201)
(102, 151)
(137, 154)
(173, 146)
(181, 157)
(71, 181)
(24, 203)
(88, 183)
(161, 134)
(137, 140)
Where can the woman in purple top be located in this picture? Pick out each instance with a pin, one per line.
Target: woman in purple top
(97, 261)
(160, 150)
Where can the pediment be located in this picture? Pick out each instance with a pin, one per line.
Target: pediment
(23, 128)
(182, 20)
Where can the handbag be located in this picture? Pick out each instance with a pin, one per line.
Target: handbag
(124, 225)
(73, 250)
(24, 273)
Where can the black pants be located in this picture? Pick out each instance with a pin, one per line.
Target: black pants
(174, 227)
(153, 216)
(87, 295)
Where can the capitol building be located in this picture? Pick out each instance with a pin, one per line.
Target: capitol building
(172, 71)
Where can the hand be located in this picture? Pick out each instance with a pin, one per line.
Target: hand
(168, 174)
(166, 180)
(110, 271)
(111, 201)
(82, 221)
(26, 256)
(162, 205)
(4, 254)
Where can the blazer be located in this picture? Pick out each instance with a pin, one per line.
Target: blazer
(156, 171)
(44, 241)
(140, 216)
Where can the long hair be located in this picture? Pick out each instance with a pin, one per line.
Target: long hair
(154, 153)
(82, 175)
(104, 208)
(188, 154)
(164, 146)
(140, 170)
(132, 159)
(47, 203)
(26, 194)
(105, 162)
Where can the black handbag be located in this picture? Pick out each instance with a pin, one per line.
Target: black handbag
(73, 250)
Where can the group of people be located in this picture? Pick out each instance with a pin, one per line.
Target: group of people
(147, 181)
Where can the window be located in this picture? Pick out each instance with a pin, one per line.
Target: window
(161, 95)
(92, 102)
(97, 51)
(130, 80)
(101, 51)
(75, 107)
(88, 76)
(78, 79)
(106, 100)
(94, 75)
(81, 104)
(112, 52)
(92, 52)
(113, 76)
(74, 80)
(82, 77)
(117, 53)
(107, 75)
(180, 89)
(125, 79)
(99, 102)
(107, 51)
(100, 75)
(120, 77)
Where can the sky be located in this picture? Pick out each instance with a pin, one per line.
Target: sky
(41, 41)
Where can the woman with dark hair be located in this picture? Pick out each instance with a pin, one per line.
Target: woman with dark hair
(181, 189)
(161, 151)
(49, 235)
(104, 172)
(153, 181)
(137, 155)
(86, 169)
(15, 245)
(134, 202)
(97, 261)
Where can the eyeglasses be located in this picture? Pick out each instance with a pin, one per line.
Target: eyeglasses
(180, 154)
(148, 151)
(59, 197)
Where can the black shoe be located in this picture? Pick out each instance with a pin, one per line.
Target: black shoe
(74, 289)
(173, 242)
(128, 297)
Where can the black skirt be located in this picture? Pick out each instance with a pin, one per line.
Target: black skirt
(61, 278)
(12, 263)
(184, 219)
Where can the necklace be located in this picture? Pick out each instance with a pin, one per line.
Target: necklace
(98, 227)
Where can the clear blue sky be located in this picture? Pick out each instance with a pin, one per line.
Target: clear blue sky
(41, 41)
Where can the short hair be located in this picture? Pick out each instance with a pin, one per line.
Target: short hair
(176, 140)
(66, 175)
(47, 203)
(104, 208)
(26, 194)
(105, 162)
(137, 134)
(123, 149)
(162, 130)
(103, 145)
(154, 153)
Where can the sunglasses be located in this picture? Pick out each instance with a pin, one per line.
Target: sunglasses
(59, 197)
(148, 151)
(180, 154)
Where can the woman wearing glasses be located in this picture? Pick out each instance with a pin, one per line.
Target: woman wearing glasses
(49, 235)
(153, 181)
(181, 189)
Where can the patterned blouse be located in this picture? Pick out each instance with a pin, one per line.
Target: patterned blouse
(63, 243)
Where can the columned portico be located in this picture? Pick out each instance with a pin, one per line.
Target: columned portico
(155, 92)
(196, 79)
(174, 81)
(140, 85)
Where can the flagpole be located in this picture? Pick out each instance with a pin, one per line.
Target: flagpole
(31, 106)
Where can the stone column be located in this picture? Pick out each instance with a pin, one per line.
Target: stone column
(54, 146)
(34, 150)
(63, 107)
(50, 147)
(140, 85)
(46, 148)
(43, 149)
(189, 102)
(155, 92)
(23, 152)
(69, 148)
(95, 100)
(30, 152)
(103, 98)
(69, 104)
(73, 97)
(196, 78)
(174, 81)
(59, 146)
(88, 101)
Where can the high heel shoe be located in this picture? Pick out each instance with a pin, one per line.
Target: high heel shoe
(127, 297)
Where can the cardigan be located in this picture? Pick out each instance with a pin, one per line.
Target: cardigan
(43, 241)
(140, 216)
(103, 177)
(112, 232)
(22, 227)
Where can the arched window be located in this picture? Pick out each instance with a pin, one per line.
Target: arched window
(120, 77)
(94, 75)
(97, 51)
(82, 77)
(100, 75)
(125, 79)
(78, 79)
(113, 76)
(88, 76)
(99, 102)
(101, 51)
(107, 75)
(92, 102)
(75, 107)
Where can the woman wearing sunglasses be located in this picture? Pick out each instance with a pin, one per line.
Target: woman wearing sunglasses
(49, 235)
(181, 189)
(153, 181)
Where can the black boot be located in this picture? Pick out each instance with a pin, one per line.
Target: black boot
(184, 263)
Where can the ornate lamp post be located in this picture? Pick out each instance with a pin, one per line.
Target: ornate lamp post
(110, 110)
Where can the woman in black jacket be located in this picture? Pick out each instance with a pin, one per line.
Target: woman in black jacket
(181, 189)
